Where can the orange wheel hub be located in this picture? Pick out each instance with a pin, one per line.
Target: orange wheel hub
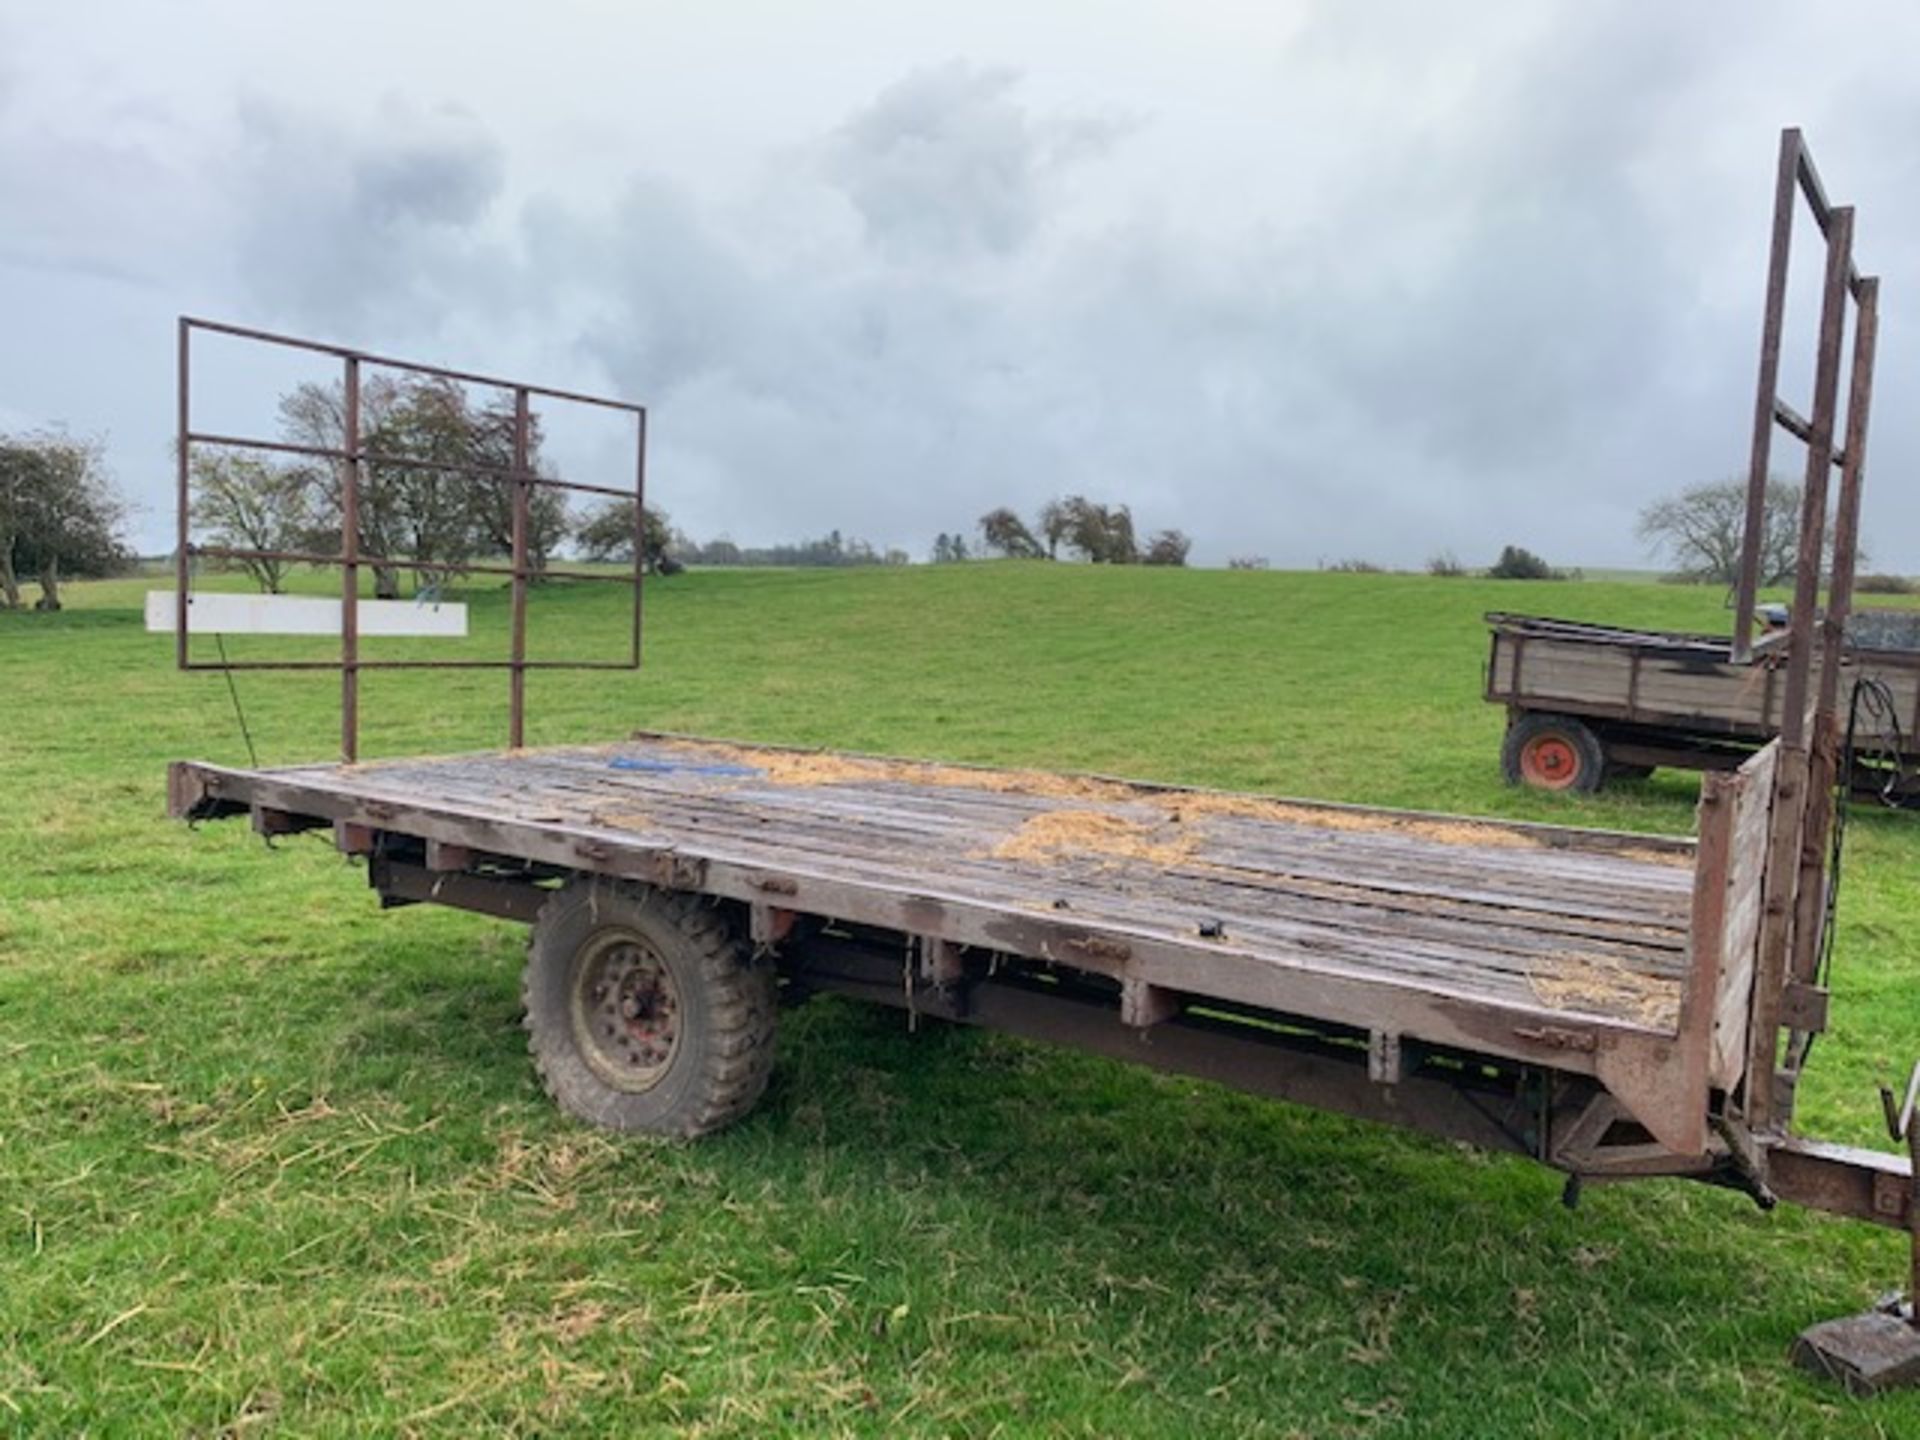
(1550, 761)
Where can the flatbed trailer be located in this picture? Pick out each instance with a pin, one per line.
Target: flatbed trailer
(1577, 996)
(1587, 702)
(1614, 1006)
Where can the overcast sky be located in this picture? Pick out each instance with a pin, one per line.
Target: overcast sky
(1307, 280)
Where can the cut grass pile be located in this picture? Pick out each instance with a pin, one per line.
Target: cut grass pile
(271, 1162)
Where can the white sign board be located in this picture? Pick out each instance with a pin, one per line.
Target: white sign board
(212, 612)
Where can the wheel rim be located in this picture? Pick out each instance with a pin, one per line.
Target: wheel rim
(625, 1010)
(1550, 761)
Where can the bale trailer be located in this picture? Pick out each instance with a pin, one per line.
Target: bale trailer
(1613, 1006)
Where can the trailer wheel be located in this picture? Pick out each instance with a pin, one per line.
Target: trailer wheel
(1552, 752)
(644, 1011)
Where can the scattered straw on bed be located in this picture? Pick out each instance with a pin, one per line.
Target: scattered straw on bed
(1602, 986)
(1062, 834)
(824, 768)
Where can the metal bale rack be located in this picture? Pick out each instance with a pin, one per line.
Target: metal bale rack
(1613, 1006)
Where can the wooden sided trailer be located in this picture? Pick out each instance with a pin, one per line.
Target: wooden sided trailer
(1589, 703)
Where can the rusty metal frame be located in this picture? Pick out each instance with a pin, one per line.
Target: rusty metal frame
(1796, 876)
(349, 458)
(1796, 178)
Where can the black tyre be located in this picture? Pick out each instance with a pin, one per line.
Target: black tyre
(1552, 752)
(645, 1012)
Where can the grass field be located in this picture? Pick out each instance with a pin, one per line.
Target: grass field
(272, 1163)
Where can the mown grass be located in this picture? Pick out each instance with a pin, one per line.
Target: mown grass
(271, 1162)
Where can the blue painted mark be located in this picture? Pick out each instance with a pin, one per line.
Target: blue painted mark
(637, 762)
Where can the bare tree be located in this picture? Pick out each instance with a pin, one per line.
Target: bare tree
(1701, 529)
(1006, 533)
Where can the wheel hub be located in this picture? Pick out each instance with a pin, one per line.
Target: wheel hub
(1550, 761)
(626, 1012)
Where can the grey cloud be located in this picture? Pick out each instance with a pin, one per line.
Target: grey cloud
(1443, 284)
(340, 225)
(947, 164)
(1469, 342)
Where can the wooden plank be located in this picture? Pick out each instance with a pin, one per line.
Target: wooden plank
(1751, 790)
(1759, 1105)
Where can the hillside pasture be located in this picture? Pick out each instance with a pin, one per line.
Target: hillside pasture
(272, 1162)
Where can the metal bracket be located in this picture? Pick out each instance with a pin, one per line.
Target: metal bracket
(1901, 1127)
(1880, 1349)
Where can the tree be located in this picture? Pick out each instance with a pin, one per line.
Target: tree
(1247, 562)
(1702, 529)
(1519, 563)
(1168, 547)
(1054, 525)
(1102, 534)
(949, 549)
(607, 536)
(413, 501)
(246, 503)
(58, 513)
(489, 442)
(1006, 533)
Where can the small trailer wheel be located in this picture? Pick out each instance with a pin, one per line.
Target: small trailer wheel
(645, 1012)
(1552, 752)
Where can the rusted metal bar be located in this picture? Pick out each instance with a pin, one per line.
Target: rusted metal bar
(404, 462)
(1799, 775)
(1798, 426)
(1846, 523)
(415, 367)
(639, 529)
(350, 569)
(1811, 897)
(401, 883)
(1747, 589)
(1813, 508)
(381, 562)
(517, 695)
(1843, 1180)
(182, 571)
(1260, 1062)
(296, 665)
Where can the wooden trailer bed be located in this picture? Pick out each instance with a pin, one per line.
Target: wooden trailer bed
(1589, 951)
